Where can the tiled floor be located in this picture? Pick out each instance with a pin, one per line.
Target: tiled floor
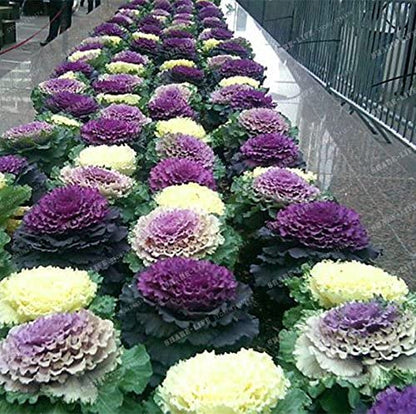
(363, 171)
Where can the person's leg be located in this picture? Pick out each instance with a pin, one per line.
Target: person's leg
(66, 15)
(90, 6)
(97, 3)
(54, 21)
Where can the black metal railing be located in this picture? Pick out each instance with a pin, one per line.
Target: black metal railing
(363, 50)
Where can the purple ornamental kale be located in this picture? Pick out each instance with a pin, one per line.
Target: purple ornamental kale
(268, 150)
(58, 354)
(250, 98)
(110, 29)
(231, 47)
(185, 9)
(129, 56)
(77, 105)
(146, 46)
(122, 20)
(242, 67)
(263, 121)
(170, 104)
(213, 22)
(117, 84)
(97, 44)
(281, 186)
(216, 33)
(186, 74)
(162, 4)
(151, 20)
(215, 62)
(213, 11)
(177, 33)
(65, 209)
(186, 146)
(12, 164)
(152, 29)
(175, 171)
(125, 112)
(202, 4)
(321, 225)
(395, 401)
(179, 48)
(187, 284)
(110, 131)
(359, 318)
(182, 22)
(33, 132)
(78, 66)
(56, 85)
(224, 95)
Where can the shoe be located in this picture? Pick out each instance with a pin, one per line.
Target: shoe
(44, 43)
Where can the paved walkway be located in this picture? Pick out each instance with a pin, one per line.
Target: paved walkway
(362, 170)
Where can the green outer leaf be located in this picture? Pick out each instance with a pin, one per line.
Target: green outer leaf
(103, 306)
(227, 254)
(150, 407)
(110, 397)
(137, 370)
(295, 402)
(11, 197)
(40, 408)
(5, 258)
(287, 340)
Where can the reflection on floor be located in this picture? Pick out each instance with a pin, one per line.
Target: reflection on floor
(363, 171)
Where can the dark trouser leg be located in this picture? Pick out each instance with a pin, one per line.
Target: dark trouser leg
(67, 15)
(54, 22)
(90, 5)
